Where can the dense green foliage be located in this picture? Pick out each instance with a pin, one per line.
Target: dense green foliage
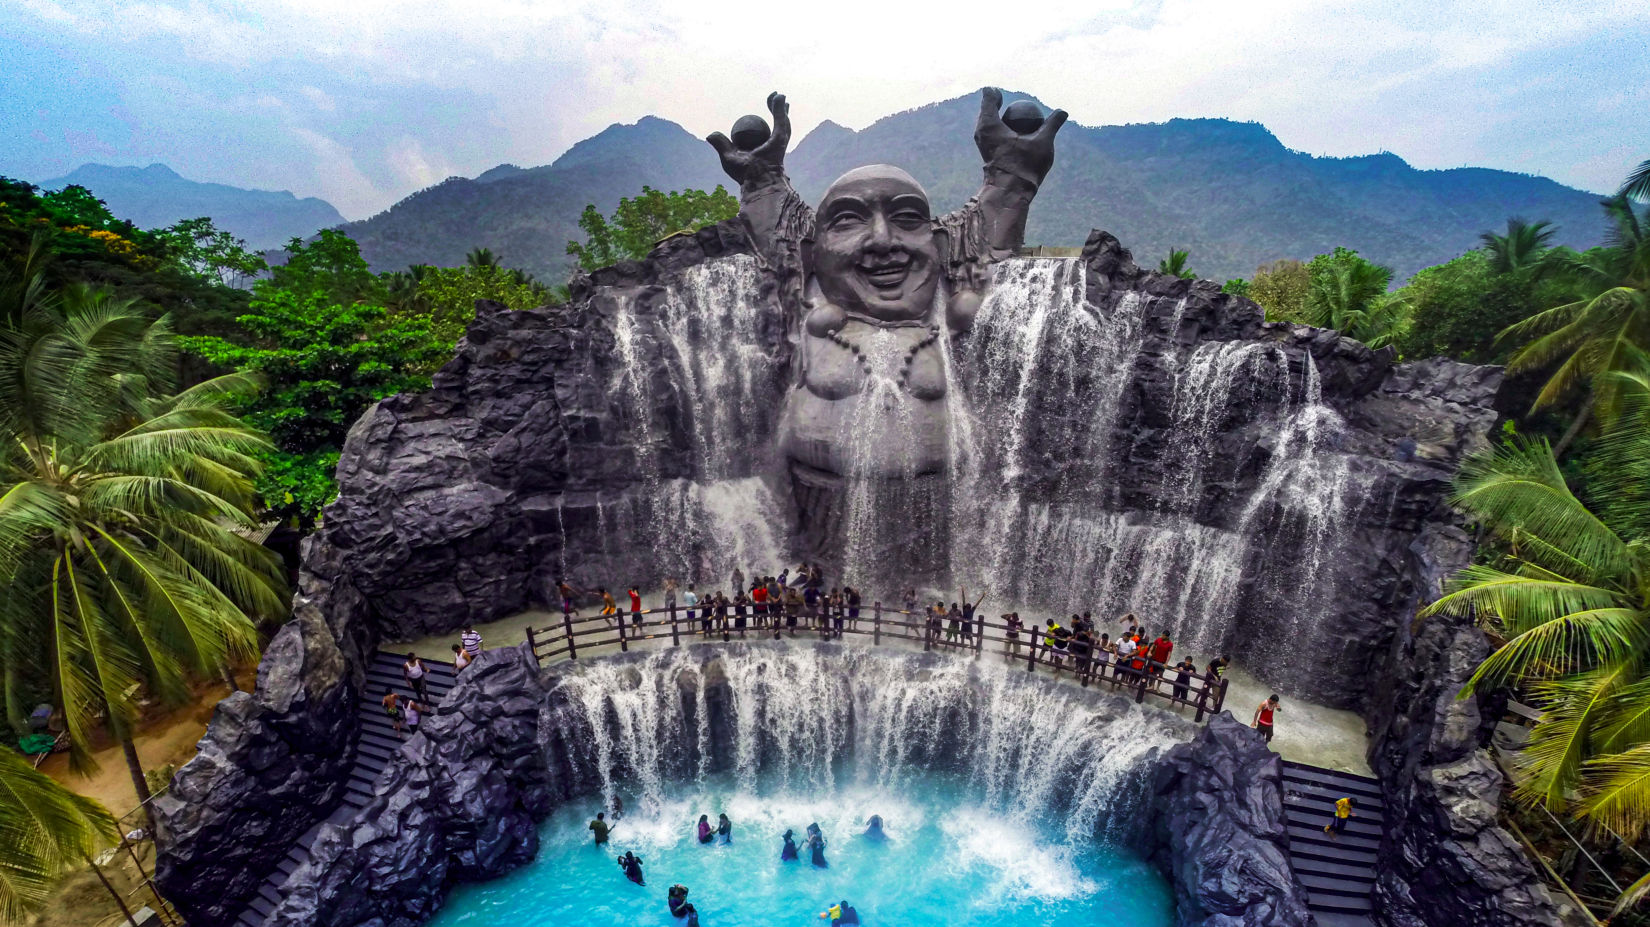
(1280, 288)
(320, 338)
(117, 503)
(642, 221)
(45, 829)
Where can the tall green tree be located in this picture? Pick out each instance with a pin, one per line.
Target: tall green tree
(1280, 288)
(1598, 333)
(211, 254)
(45, 830)
(117, 504)
(1175, 264)
(642, 221)
(319, 337)
(447, 297)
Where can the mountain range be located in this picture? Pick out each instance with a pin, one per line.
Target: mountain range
(156, 196)
(1230, 192)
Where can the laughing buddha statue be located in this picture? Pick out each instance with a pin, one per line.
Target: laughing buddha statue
(870, 277)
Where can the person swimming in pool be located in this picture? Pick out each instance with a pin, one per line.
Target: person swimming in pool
(678, 901)
(873, 830)
(706, 834)
(841, 913)
(816, 846)
(632, 866)
(788, 851)
(724, 829)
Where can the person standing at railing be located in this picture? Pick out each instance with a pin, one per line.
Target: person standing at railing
(1103, 649)
(670, 598)
(690, 599)
(1011, 637)
(759, 603)
(1082, 646)
(839, 611)
(1161, 649)
(793, 607)
(910, 603)
(776, 592)
(740, 602)
(810, 599)
(635, 607)
(852, 595)
(722, 613)
(953, 624)
(1183, 677)
(609, 607)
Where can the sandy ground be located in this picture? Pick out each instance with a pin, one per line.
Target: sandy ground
(165, 737)
(1305, 733)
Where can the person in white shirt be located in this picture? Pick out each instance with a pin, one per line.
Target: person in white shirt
(471, 639)
(461, 658)
(414, 670)
(690, 599)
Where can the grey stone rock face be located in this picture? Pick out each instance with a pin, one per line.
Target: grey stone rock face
(1445, 861)
(459, 803)
(1218, 807)
(273, 760)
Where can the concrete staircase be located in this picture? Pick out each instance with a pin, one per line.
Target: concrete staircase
(377, 743)
(1338, 872)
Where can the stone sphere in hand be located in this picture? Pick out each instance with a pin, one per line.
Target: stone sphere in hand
(751, 131)
(1023, 116)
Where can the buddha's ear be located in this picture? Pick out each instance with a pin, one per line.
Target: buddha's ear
(805, 250)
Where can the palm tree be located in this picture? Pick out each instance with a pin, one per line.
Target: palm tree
(481, 257)
(120, 567)
(1637, 184)
(1175, 264)
(1569, 594)
(44, 830)
(1350, 295)
(1524, 246)
(1598, 333)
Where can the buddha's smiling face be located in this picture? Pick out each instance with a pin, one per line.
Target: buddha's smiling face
(874, 251)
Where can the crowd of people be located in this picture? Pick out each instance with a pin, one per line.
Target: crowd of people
(721, 834)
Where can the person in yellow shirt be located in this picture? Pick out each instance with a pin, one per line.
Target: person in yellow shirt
(1337, 824)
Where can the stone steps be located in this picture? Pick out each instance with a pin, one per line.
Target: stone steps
(1338, 872)
(375, 747)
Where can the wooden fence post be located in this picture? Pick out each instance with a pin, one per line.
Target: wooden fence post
(675, 637)
(979, 635)
(567, 629)
(1031, 649)
(532, 646)
(927, 632)
(876, 624)
(623, 647)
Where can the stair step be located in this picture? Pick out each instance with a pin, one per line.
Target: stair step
(1303, 853)
(1356, 827)
(260, 906)
(1304, 793)
(1331, 778)
(1342, 919)
(1345, 904)
(286, 866)
(1299, 835)
(1345, 869)
(268, 893)
(1317, 885)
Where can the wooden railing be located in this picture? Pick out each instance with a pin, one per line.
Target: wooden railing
(1204, 694)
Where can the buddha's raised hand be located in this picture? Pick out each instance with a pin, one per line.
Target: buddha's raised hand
(1026, 156)
(765, 163)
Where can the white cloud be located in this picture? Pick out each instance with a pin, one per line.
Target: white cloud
(1440, 83)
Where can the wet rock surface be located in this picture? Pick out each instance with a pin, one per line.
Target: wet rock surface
(1445, 861)
(1220, 835)
(460, 802)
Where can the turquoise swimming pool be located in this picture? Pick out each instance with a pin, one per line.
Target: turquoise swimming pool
(947, 859)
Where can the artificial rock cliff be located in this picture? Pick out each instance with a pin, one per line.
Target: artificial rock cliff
(1156, 447)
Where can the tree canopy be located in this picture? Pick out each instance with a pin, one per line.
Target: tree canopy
(644, 220)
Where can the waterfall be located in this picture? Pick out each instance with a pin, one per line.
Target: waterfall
(823, 718)
(1204, 390)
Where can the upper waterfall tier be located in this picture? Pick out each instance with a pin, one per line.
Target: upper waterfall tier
(1102, 438)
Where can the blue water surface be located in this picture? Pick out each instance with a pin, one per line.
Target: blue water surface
(946, 861)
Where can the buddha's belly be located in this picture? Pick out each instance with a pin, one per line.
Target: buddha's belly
(882, 434)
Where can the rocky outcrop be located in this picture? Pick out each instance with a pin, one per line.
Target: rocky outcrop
(460, 803)
(1220, 835)
(1445, 861)
(273, 761)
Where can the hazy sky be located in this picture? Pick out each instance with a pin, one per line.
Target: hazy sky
(364, 101)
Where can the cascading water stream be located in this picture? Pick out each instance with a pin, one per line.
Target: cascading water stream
(823, 719)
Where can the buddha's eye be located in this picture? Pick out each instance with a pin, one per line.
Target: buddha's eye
(909, 219)
(845, 220)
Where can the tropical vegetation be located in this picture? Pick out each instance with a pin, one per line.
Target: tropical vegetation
(45, 830)
(642, 221)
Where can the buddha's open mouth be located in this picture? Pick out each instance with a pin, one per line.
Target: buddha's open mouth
(888, 274)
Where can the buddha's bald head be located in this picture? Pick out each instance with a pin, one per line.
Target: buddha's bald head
(874, 249)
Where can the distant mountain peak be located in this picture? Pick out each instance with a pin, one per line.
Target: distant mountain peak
(157, 196)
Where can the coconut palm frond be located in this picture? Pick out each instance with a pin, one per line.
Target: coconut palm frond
(1616, 791)
(1519, 486)
(44, 828)
(1549, 766)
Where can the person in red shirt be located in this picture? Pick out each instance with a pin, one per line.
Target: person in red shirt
(759, 597)
(1161, 648)
(635, 606)
(1263, 717)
